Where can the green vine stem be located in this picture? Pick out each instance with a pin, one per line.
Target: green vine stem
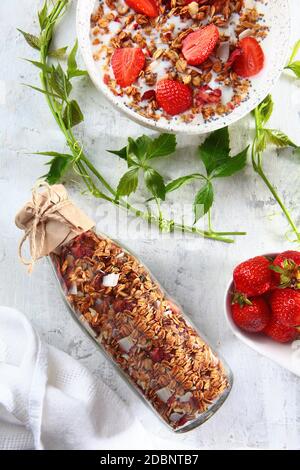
(81, 163)
(257, 163)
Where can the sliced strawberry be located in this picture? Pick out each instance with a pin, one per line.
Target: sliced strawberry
(205, 95)
(146, 7)
(251, 60)
(198, 46)
(127, 64)
(149, 95)
(173, 96)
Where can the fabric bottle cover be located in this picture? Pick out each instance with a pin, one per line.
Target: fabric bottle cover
(49, 220)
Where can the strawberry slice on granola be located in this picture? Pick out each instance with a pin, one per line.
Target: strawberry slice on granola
(127, 64)
(198, 46)
(248, 59)
(173, 96)
(146, 7)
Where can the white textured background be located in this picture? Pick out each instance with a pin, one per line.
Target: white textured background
(263, 410)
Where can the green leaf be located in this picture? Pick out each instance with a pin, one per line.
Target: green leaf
(129, 182)
(279, 138)
(155, 183)
(140, 147)
(54, 154)
(78, 73)
(233, 165)
(261, 141)
(39, 65)
(122, 153)
(264, 111)
(58, 53)
(203, 201)
(294, 67)
(72, 114)
(33, 41)
(40, 90)
(58, 166)
(176, 184)
(73, 70)
(163, 146)
(295, 51)
(43, 15)
(72, 64)
(215, 150)
(60, 82)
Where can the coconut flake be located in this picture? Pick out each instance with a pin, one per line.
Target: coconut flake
(73, 289)
(245, 34)
(110, 280)
(126, 343)
(186, 397)
(168, 312)
(93, 312)
(223, 51)
(164, 394)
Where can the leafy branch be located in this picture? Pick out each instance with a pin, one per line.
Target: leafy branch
(214, 154)
(56, 85)
(294, 65)
(263, 137)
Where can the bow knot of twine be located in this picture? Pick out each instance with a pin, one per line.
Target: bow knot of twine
(43, 208)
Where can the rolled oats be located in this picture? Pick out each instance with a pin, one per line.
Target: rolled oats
(140, 328)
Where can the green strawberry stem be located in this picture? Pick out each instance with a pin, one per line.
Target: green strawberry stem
(257, 163)
(81, 163)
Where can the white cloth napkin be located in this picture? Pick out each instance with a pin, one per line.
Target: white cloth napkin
(48, 400)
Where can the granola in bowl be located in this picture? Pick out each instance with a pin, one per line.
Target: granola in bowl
(178, 60)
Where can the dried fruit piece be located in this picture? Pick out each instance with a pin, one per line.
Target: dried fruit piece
(173, 96)
(252, 316)
(253, 277)
(285, 305)
(127, 64)
(279, 332)
(146, 7)
(206, 94)
(198, 46)
(251, 60)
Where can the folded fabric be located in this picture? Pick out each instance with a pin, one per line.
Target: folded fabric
(48, 400)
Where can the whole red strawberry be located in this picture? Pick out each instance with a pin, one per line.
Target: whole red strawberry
(286, 269)
(279, 332)
(127, 63)
(251, 316)
(198, 45)
(285, 305)
(253, 277)
(173, 96)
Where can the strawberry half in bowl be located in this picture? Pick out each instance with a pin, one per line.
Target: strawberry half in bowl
(184, 66)
(262, 306)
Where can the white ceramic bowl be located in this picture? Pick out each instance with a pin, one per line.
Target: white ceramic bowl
(287, 355)
(276, 47)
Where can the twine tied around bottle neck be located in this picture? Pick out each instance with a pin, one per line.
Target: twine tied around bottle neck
(49, 220)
